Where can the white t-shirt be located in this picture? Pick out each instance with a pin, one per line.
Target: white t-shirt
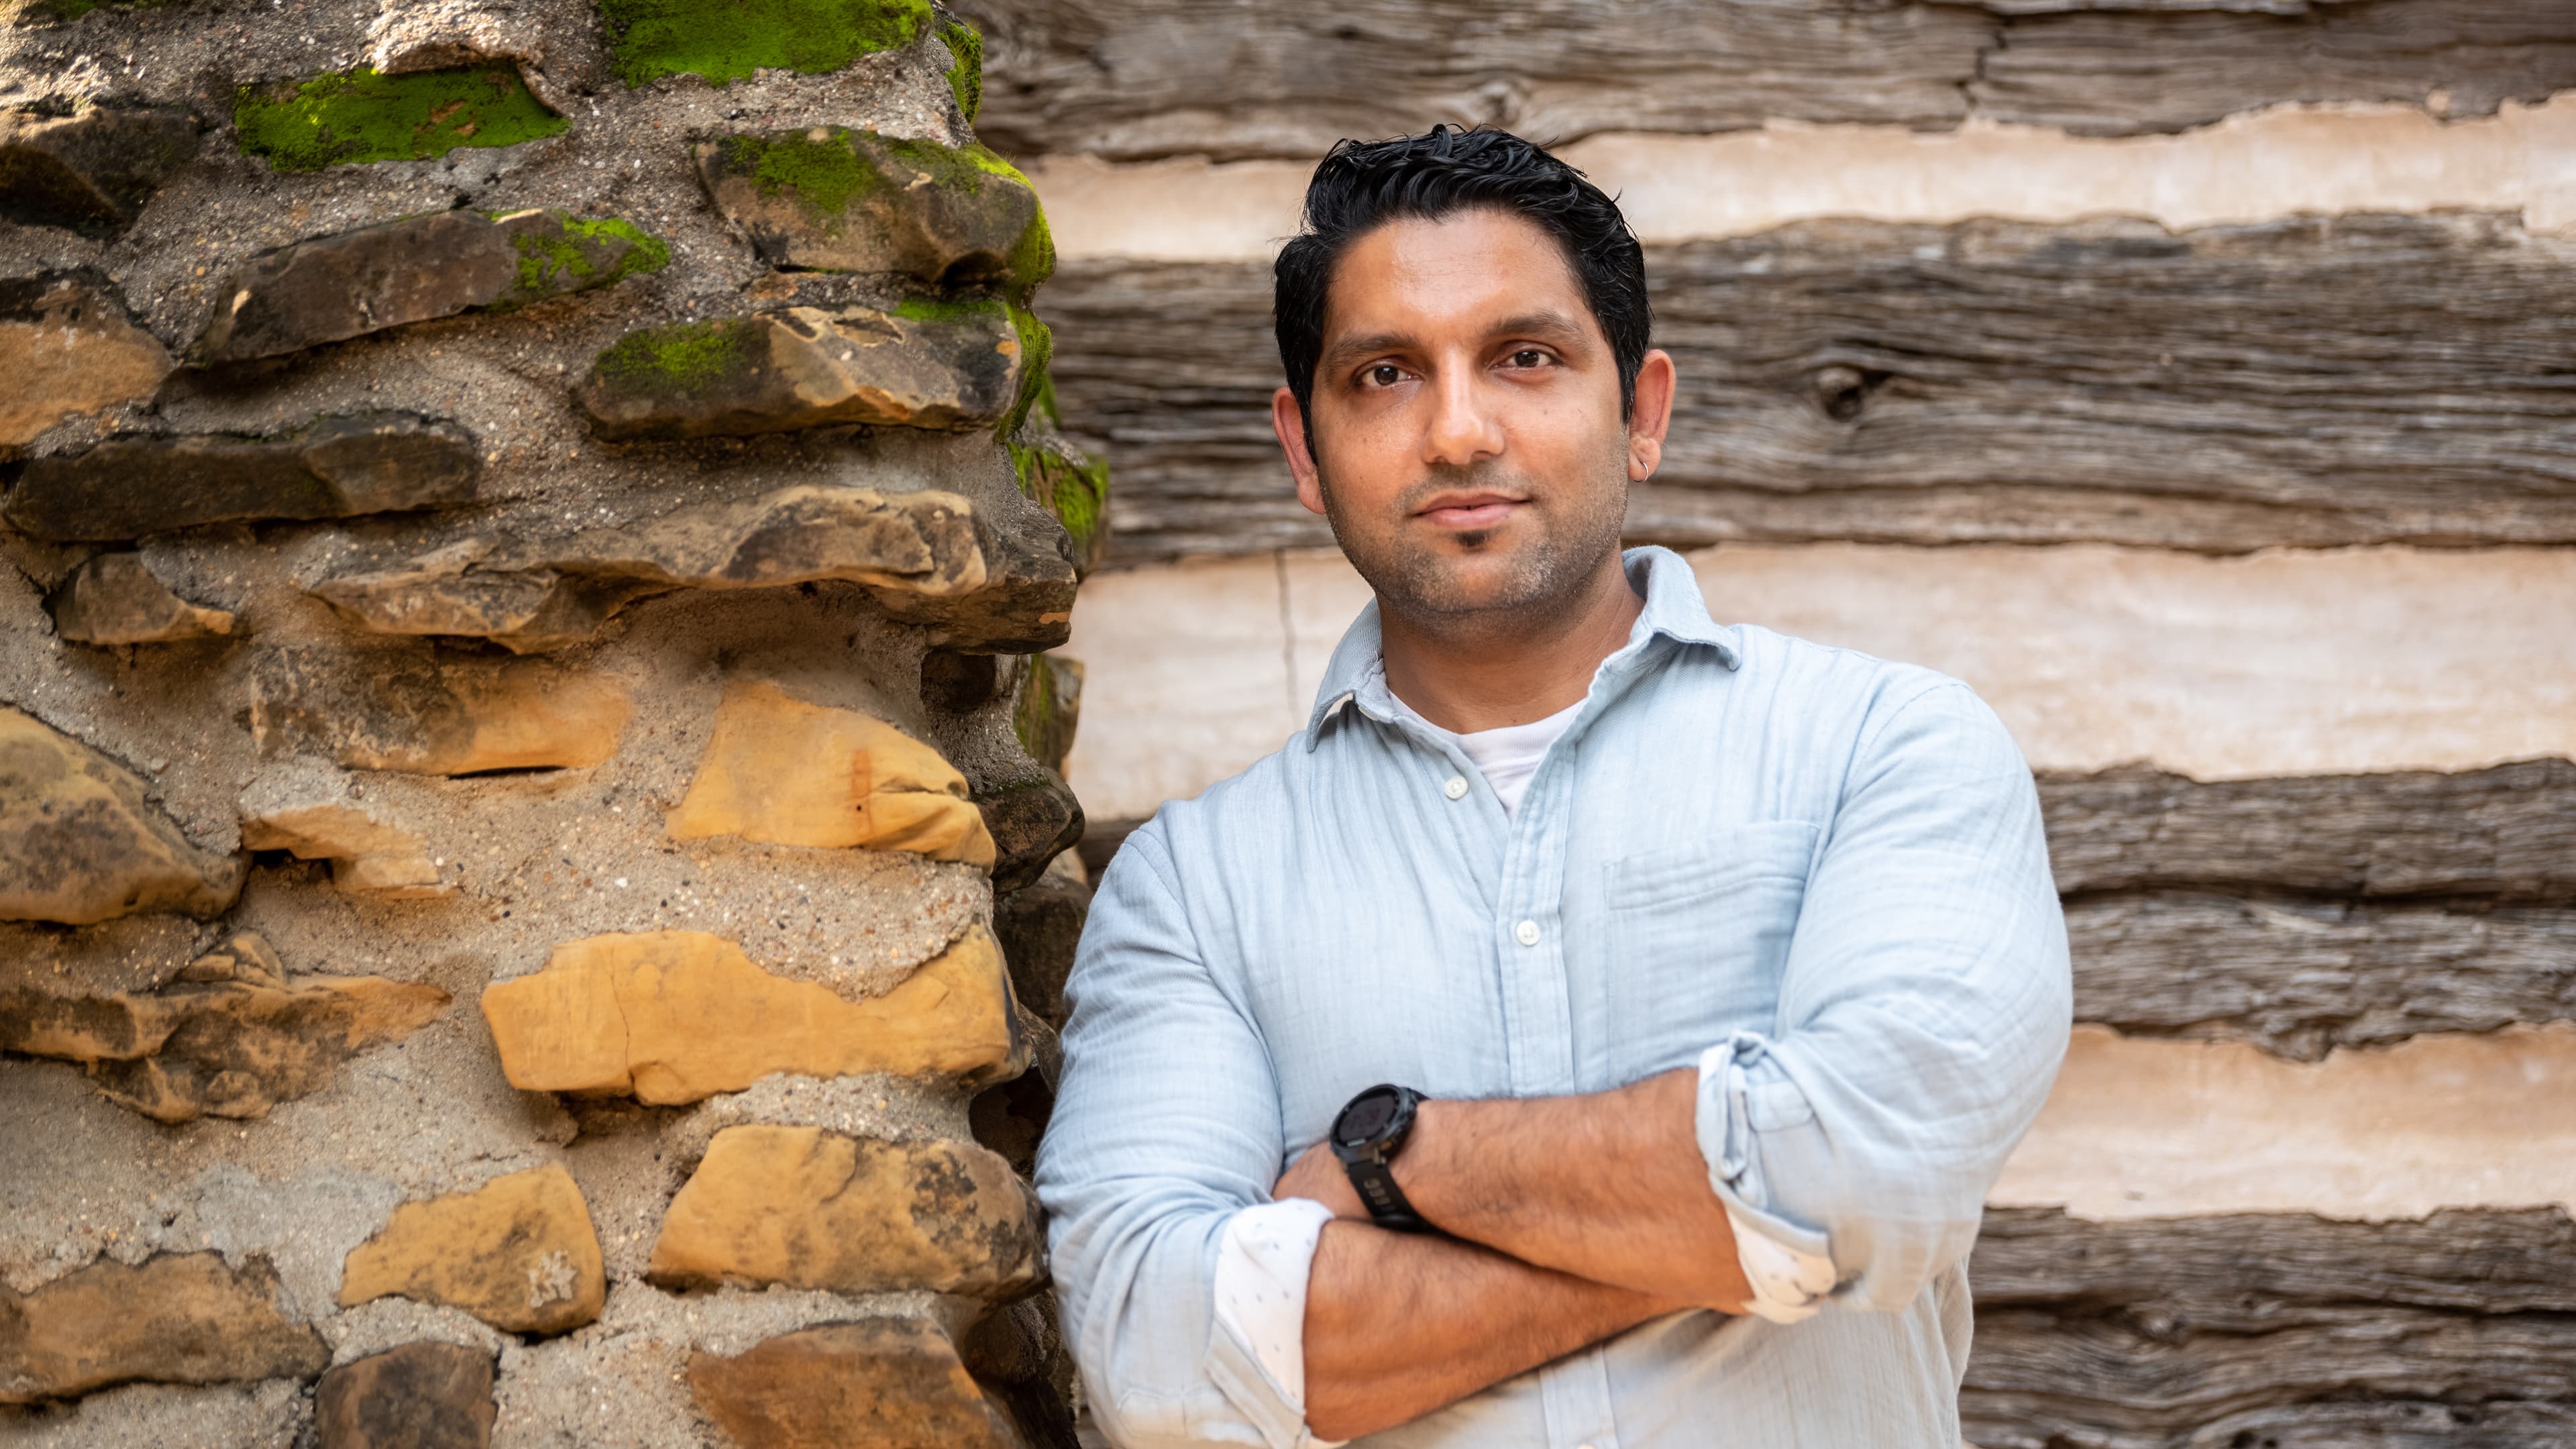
(1268, 1251)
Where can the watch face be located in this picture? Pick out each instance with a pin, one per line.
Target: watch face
(1366, 1117)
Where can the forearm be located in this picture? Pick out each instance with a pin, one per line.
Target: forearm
(1398, 1325)
(1609, 1186)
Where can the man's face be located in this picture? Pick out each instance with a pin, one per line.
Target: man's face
(1468, 444)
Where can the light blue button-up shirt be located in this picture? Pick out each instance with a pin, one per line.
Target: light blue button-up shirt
(1830, 865)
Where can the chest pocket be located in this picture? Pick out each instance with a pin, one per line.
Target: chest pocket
(1700, 930)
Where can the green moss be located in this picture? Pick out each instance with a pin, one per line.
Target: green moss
(680, 357)
(966, 66)
(729, 40)
(825, 175)
(1048, 709)
(645, 252)
(947, 309)
(358, 115)
(1037, 349)
(1046, 400)
(570, 258)
(1073, 487)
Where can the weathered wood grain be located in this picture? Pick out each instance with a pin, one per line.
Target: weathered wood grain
(2110, 71)
(1134, 79)
(2272, 1329)
(2506, 833)
(2299, 978)
(2313, 382)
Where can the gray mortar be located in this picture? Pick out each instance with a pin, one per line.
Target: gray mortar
(272, 1414)
(623, 1380)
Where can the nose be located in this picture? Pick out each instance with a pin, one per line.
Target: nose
(1463, 426)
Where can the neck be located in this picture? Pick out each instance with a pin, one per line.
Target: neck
(1490, 671)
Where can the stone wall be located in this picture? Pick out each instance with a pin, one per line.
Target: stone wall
(526, 766)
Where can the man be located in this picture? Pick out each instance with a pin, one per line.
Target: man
(1712, 974)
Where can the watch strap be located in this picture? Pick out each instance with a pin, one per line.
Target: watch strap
(1373, 1178)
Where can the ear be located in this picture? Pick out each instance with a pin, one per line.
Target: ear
(1289, 421)
(1651, 414)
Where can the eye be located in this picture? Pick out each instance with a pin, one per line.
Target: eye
(1385, 374)
(1529, 357)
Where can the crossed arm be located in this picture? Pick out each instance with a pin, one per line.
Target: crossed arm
(1576, 1218)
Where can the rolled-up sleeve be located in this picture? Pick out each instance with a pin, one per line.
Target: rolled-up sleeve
(1166, 1126)
(1922, 1016)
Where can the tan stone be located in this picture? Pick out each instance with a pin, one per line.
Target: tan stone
(407, 712)
(781, 770)
(67, 351)
(222, 1047)
(79, 843)
(533, 596)
(114, 599)
(887, 1383)
(815, 1209)
(310, 811)
(172, 1320)
(518, 1252)
(678, 1016)
(418, 1396)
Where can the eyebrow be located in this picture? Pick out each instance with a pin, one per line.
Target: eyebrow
(1547, 325)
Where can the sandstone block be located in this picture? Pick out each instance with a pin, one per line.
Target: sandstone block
(781, 770)
(518, 1252)
(67, 349)
(429, 717)
(246, 956)
(815, 1209)
(217, 1047)
(79, 843)
(353, 116)
(541, 596)
(834, 199)
(174, 1320)
(952, 365)
(1033, 819)
(313, 812)
(346, 285)
(418, 1396)
(93, 169)
(114, 599)
(888, 1383)
(678, 1016)
(134, 484)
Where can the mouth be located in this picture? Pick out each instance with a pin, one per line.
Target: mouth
(1468, 511)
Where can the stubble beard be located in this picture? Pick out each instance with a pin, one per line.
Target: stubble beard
(1559, 540)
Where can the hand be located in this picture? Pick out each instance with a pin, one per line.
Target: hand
(1317, 1174)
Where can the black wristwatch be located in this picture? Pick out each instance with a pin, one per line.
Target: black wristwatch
(1366, 1137)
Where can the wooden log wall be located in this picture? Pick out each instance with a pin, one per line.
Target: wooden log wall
(2388, 377)
(2214, 390)
(1134, 79)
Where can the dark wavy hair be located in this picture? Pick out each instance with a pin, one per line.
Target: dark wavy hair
(1362, 185)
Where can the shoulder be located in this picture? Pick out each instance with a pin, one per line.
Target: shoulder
(1880, 707)
(1843, 680)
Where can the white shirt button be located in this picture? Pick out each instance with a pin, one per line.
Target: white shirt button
(1456, 789)
(1526, 933)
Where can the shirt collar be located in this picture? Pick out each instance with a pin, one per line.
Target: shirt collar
(1356, 674)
